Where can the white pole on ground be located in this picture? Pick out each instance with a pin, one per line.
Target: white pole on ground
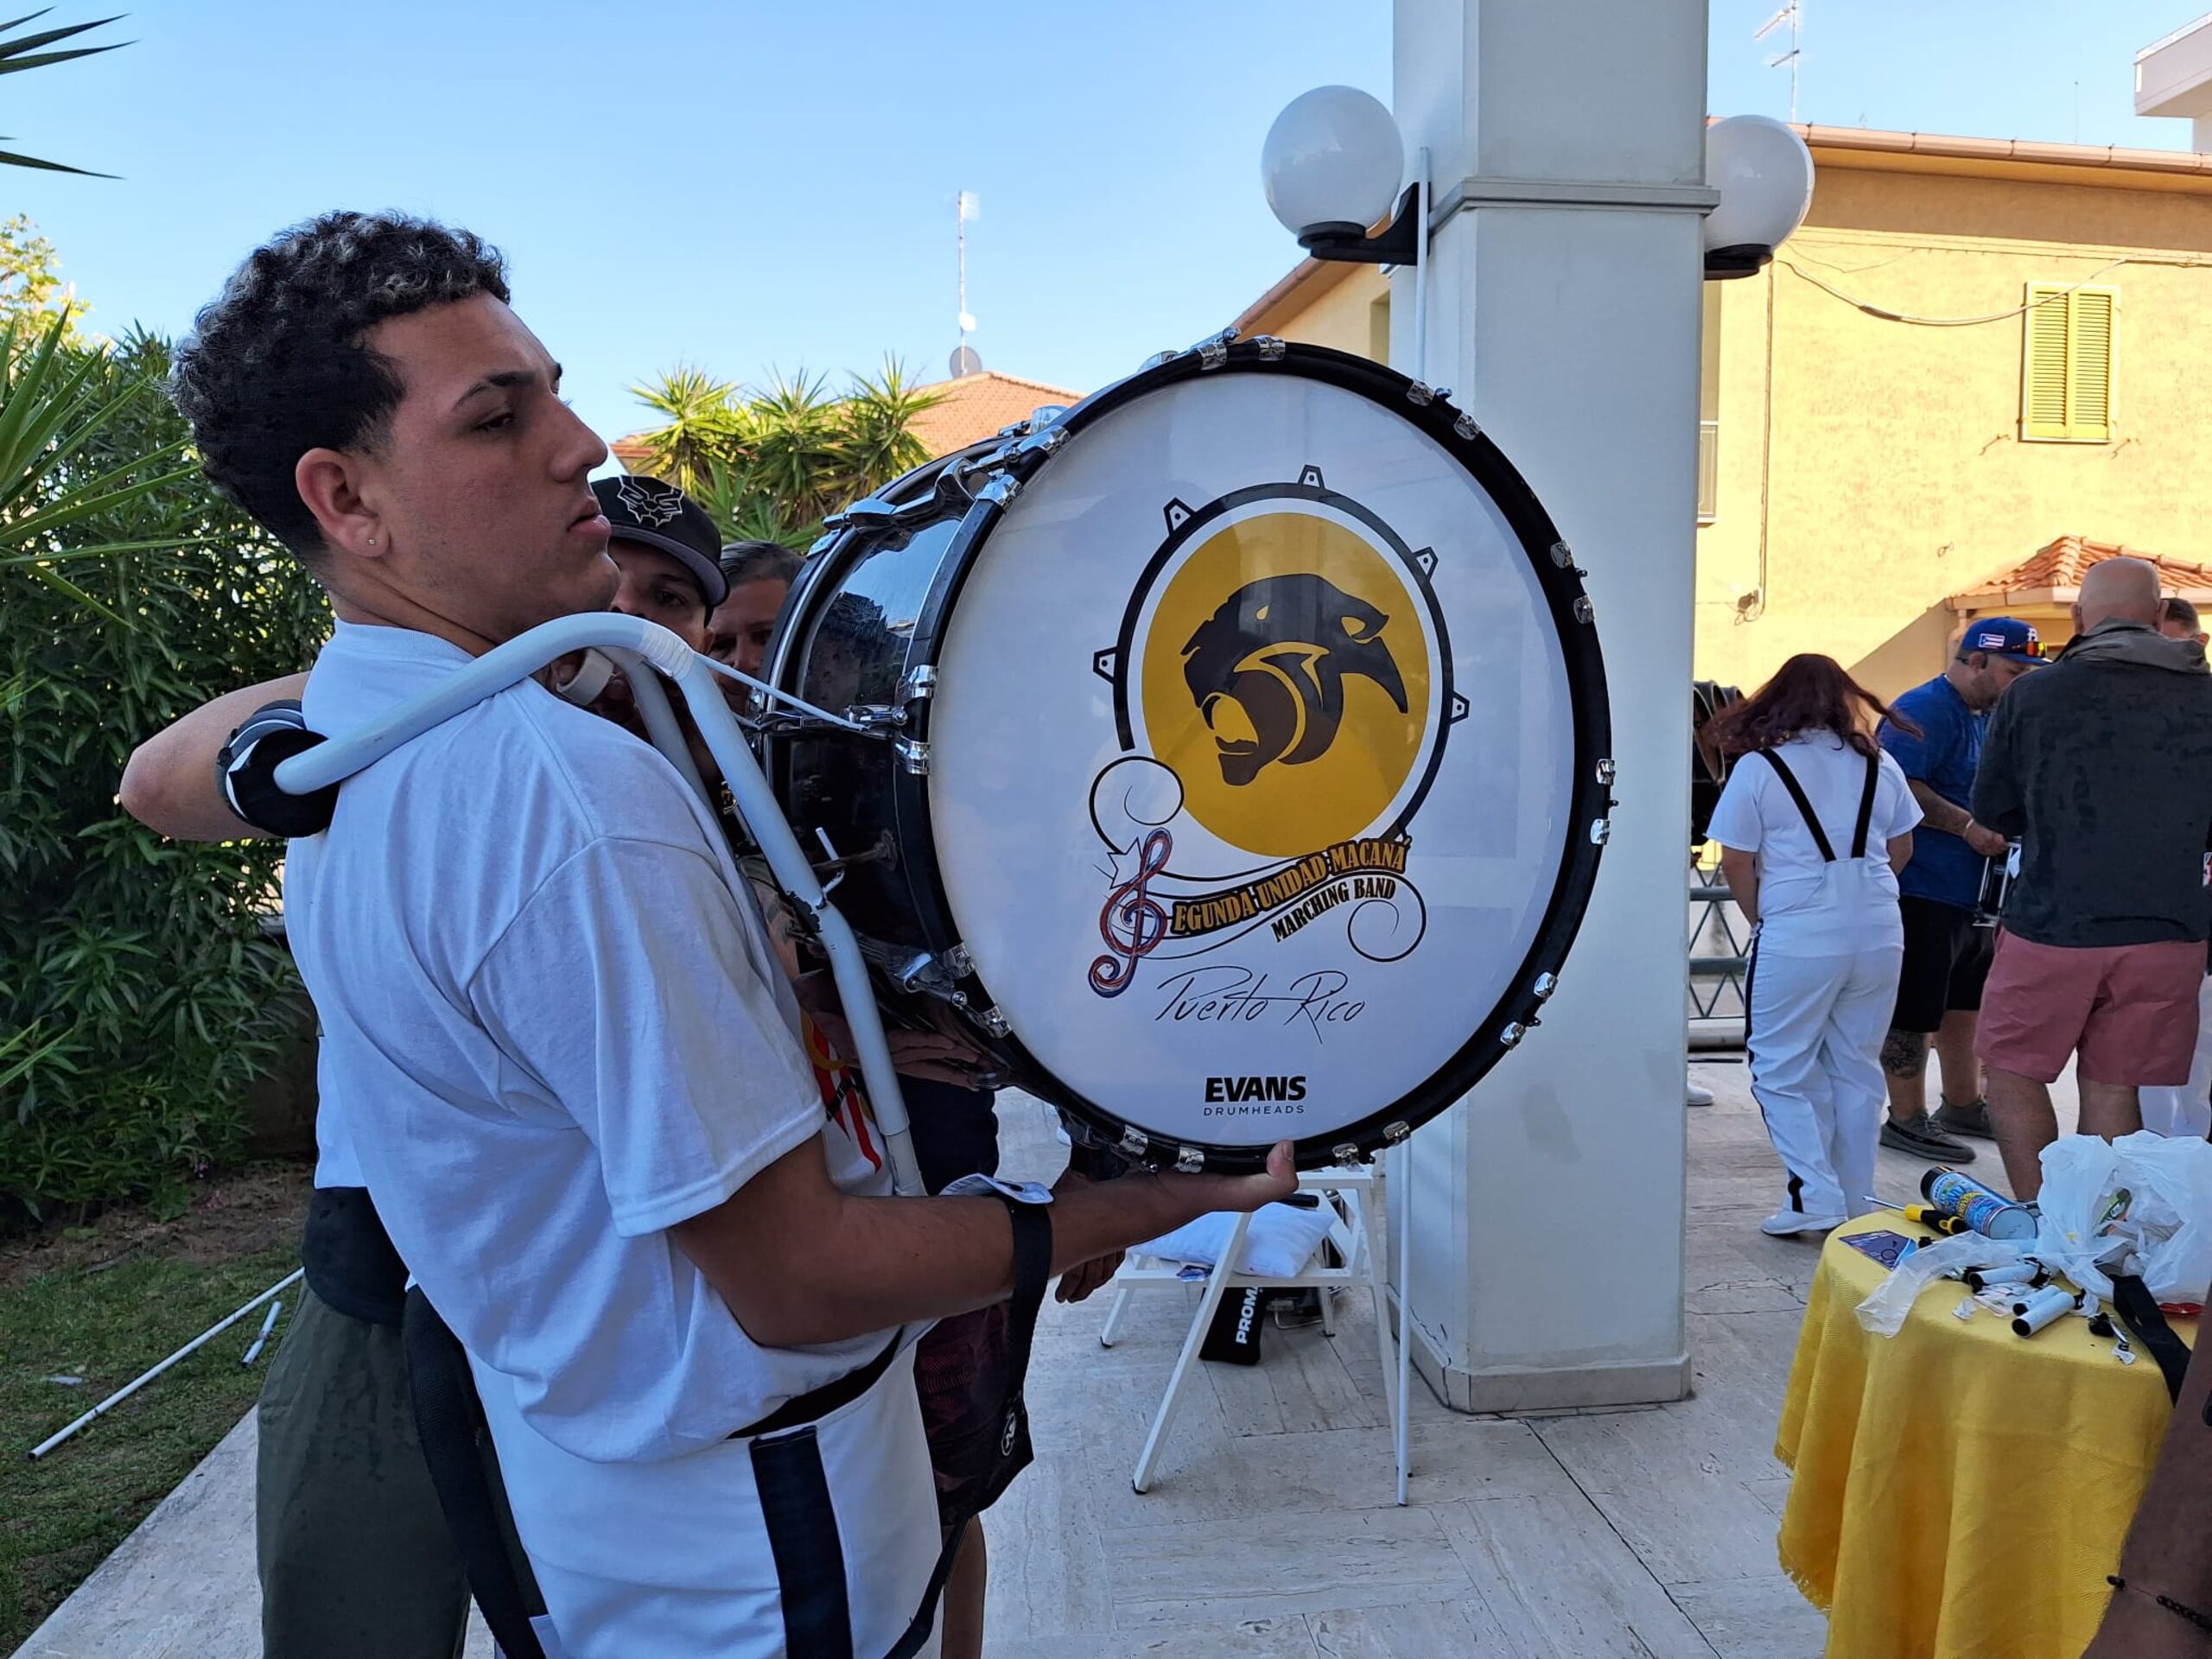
(142, 1379)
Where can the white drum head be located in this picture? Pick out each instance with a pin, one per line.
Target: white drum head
(1254, 782)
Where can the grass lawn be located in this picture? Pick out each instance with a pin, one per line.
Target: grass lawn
(103, 1302)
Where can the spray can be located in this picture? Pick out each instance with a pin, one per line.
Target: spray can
(1989, 1213)
(2047, 1305)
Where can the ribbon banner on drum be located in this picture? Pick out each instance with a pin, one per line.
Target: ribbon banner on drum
(1252, 750)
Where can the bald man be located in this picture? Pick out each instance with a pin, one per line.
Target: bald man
(2102, 767)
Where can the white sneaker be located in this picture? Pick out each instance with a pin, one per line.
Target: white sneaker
(1700, 1095)
(1783, 1223)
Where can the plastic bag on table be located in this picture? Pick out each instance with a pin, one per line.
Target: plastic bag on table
(2140, 1205)
(1883, 1312)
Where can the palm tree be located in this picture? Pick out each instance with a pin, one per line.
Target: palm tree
(23, 52)
(743, 513)
(55, 402)
(769, 465)
(699, 416)
(880, 415)
(793, 448)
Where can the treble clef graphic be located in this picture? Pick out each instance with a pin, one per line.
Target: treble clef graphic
(1132, 921)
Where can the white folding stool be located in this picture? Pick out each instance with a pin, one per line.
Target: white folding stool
(1353, 1194)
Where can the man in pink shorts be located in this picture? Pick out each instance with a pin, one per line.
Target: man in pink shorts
(2102, 767)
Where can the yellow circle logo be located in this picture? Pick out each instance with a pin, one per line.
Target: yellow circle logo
(1286, 679)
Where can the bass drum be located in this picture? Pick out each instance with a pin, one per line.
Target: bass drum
(1235, 752)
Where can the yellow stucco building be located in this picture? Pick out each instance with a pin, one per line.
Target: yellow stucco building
(1973, 349)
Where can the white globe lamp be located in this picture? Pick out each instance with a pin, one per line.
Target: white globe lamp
(1765, 175)
(1331, 164)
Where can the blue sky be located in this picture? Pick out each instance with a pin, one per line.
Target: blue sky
(746, 185)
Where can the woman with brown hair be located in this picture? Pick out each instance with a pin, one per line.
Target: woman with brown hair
(1813, 827)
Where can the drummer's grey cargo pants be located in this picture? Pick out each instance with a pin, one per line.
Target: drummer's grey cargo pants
(355, 1560)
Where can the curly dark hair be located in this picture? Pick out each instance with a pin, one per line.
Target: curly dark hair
(1809, 693)
(275, 366)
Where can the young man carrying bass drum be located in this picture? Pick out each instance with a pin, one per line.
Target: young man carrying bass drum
(687, 1305)
(353, 1555)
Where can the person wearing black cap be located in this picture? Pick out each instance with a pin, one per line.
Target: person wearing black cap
(662, 541)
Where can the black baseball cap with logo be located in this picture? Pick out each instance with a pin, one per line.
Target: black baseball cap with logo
(659, 515)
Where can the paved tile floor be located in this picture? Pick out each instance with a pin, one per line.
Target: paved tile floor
(1645, 1532)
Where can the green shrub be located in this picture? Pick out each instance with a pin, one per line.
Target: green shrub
(138, 995)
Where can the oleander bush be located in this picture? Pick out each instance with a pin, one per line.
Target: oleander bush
(140, 996)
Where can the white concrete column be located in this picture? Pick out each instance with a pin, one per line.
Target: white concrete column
(1567, 162)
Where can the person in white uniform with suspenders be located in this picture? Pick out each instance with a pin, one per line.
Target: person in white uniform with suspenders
(1813, 827)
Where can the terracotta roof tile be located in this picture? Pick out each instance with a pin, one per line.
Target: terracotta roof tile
(2059, 566)
(975, 406)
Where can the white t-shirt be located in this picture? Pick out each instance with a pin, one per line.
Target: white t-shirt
(1755, 814)
(551, 1031)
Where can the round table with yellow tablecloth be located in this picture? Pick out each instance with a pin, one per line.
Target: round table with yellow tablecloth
(1959, 1492)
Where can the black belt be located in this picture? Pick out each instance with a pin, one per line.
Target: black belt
(818, 1404)
(348, 1256)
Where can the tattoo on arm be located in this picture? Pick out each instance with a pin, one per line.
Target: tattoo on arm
(1937, 812)
(1905, 1053)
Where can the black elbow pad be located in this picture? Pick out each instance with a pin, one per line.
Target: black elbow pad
(245, 772)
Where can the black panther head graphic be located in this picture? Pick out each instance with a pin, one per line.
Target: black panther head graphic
(1267, 668)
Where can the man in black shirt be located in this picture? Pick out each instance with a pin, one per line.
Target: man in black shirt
(2102, 766)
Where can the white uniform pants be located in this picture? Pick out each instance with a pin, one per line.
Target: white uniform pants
(2186, 1110)
(682, 1559)
(1814, 1031)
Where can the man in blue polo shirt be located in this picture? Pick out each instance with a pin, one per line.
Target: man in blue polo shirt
(1946, 956)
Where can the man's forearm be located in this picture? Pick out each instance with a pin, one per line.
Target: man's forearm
(938, 1257)
(1937, 812)
(1998, 801)
(2169, 1549)
(799, 1263)
(1741, 872)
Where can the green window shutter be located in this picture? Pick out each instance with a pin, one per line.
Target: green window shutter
(2043, 378)
(2089, 366)
(2066, 371)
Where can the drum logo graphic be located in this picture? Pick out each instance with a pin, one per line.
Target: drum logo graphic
(1281, 698)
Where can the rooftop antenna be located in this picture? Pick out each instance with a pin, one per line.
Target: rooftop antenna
(1794, 14)
(965, 358)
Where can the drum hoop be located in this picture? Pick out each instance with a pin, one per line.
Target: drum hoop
(1590, 803)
